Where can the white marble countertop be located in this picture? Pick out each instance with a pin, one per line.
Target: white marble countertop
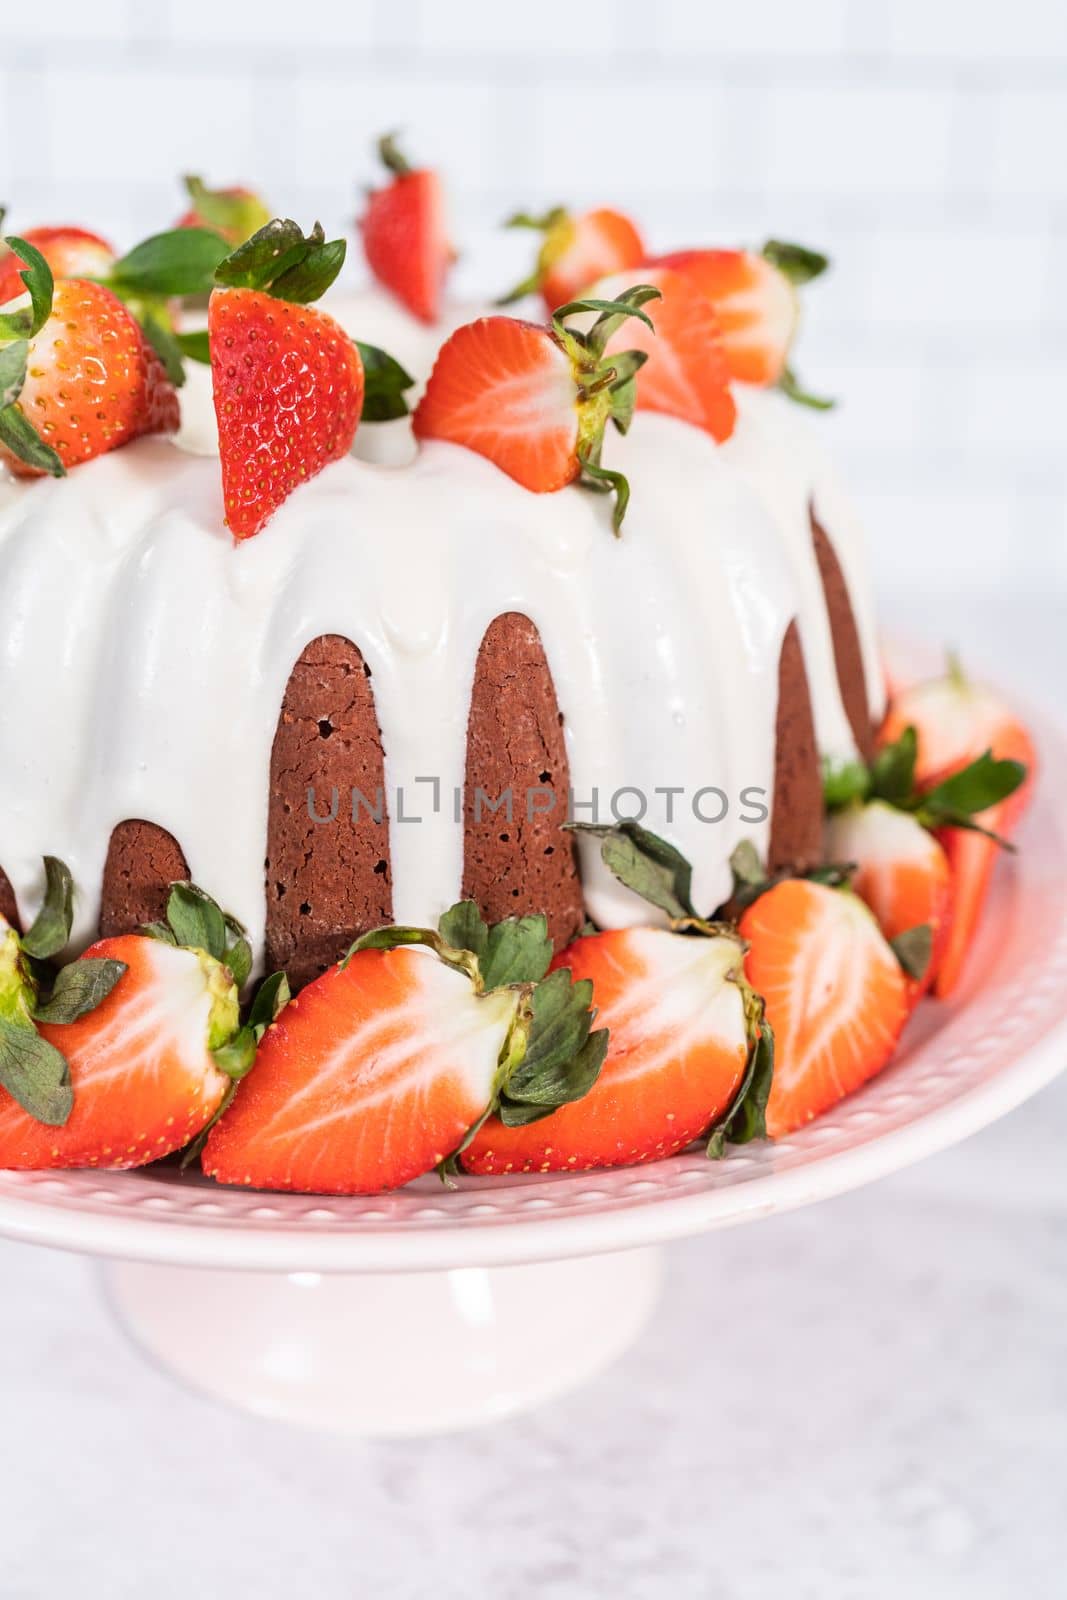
(858, 1400)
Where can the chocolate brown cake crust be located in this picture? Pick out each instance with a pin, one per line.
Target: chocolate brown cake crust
(526, 862)
(326, 881)
(797, 808)
(8, 905)
(848, 653)
(143, 860)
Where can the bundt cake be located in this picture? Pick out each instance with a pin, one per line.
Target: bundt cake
(400, 690)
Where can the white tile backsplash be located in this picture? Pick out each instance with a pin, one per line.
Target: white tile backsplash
(921, 142)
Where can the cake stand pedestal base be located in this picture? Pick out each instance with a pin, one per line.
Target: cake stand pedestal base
(387, 1355)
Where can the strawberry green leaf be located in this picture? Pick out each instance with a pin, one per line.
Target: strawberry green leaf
(463, 927)
(237, 1056)
(983, 783)
(234, 213)
(39, 284)
(50, 930)
(745, 864)
(517, 950)
(165, 344)
(844, 782)
(12, 372)
(647, 864)
(391, 156)
(540, 222)
(913, 949)
(23, 440)
(160, 931)
(79, 988)
(746, 1117)
(196, 921)
(893, 769)
(35, 1074)
(561, 1062)
(239, 960)
(791, 387)
(196, 346)
(384, 382)
(272, 997)
(282, 261)
(794, 261)
(391, 938)
(601, 480)
(180, 262)
(612, 315)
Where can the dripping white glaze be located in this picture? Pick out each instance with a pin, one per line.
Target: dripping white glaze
(143, 657)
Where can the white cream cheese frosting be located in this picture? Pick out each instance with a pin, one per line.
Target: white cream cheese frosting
(144, 656)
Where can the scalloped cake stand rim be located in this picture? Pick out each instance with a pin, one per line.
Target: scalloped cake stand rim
(964, 1066)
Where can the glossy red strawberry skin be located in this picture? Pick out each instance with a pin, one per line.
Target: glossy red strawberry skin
(406, 242)
(288, 386)
(505, 389)
(144, 1080)
(372, 1075)
(93, 381)
(677, 1051)
(70, 252)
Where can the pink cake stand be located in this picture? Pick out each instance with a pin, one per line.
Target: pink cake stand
(429, 1309)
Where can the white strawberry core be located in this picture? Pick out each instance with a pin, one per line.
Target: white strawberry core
(878, 834)
(679, 989)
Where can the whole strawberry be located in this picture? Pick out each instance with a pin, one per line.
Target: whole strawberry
(405, 236)
(235, 213)
(77, 375)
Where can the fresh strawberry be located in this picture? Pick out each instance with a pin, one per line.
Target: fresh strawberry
(964, 731)
(835, 994)
(536, 400)
(685, 374)
(677, 1016)
(379, 1070)
(405, 236)
(77, 376)
(754, 297)
(903, 874)
(576, 251)
(235, 213)
(70, 252)
(138, 1045)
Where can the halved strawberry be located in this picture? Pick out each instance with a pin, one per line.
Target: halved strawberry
(576, 251)
(754, 297)
(677, 1015)
(237, 213)
(288, 384)
(379, 1070)
(536, 400)
(956, 723)
(835, 994)
(686, 374)
(903, 874)
(70, 252)
(141, 1065)
(405, 235)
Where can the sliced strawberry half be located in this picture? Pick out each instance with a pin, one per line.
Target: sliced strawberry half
(77, 378)
(754, 297)
(835, 994)
(70, 253)
(686, 373)
(903, 874)
(380, 1069)
(577, 250)
(141, 1066)
(956, 723)
(405, 235)
(536, 400)
(679, 1041)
